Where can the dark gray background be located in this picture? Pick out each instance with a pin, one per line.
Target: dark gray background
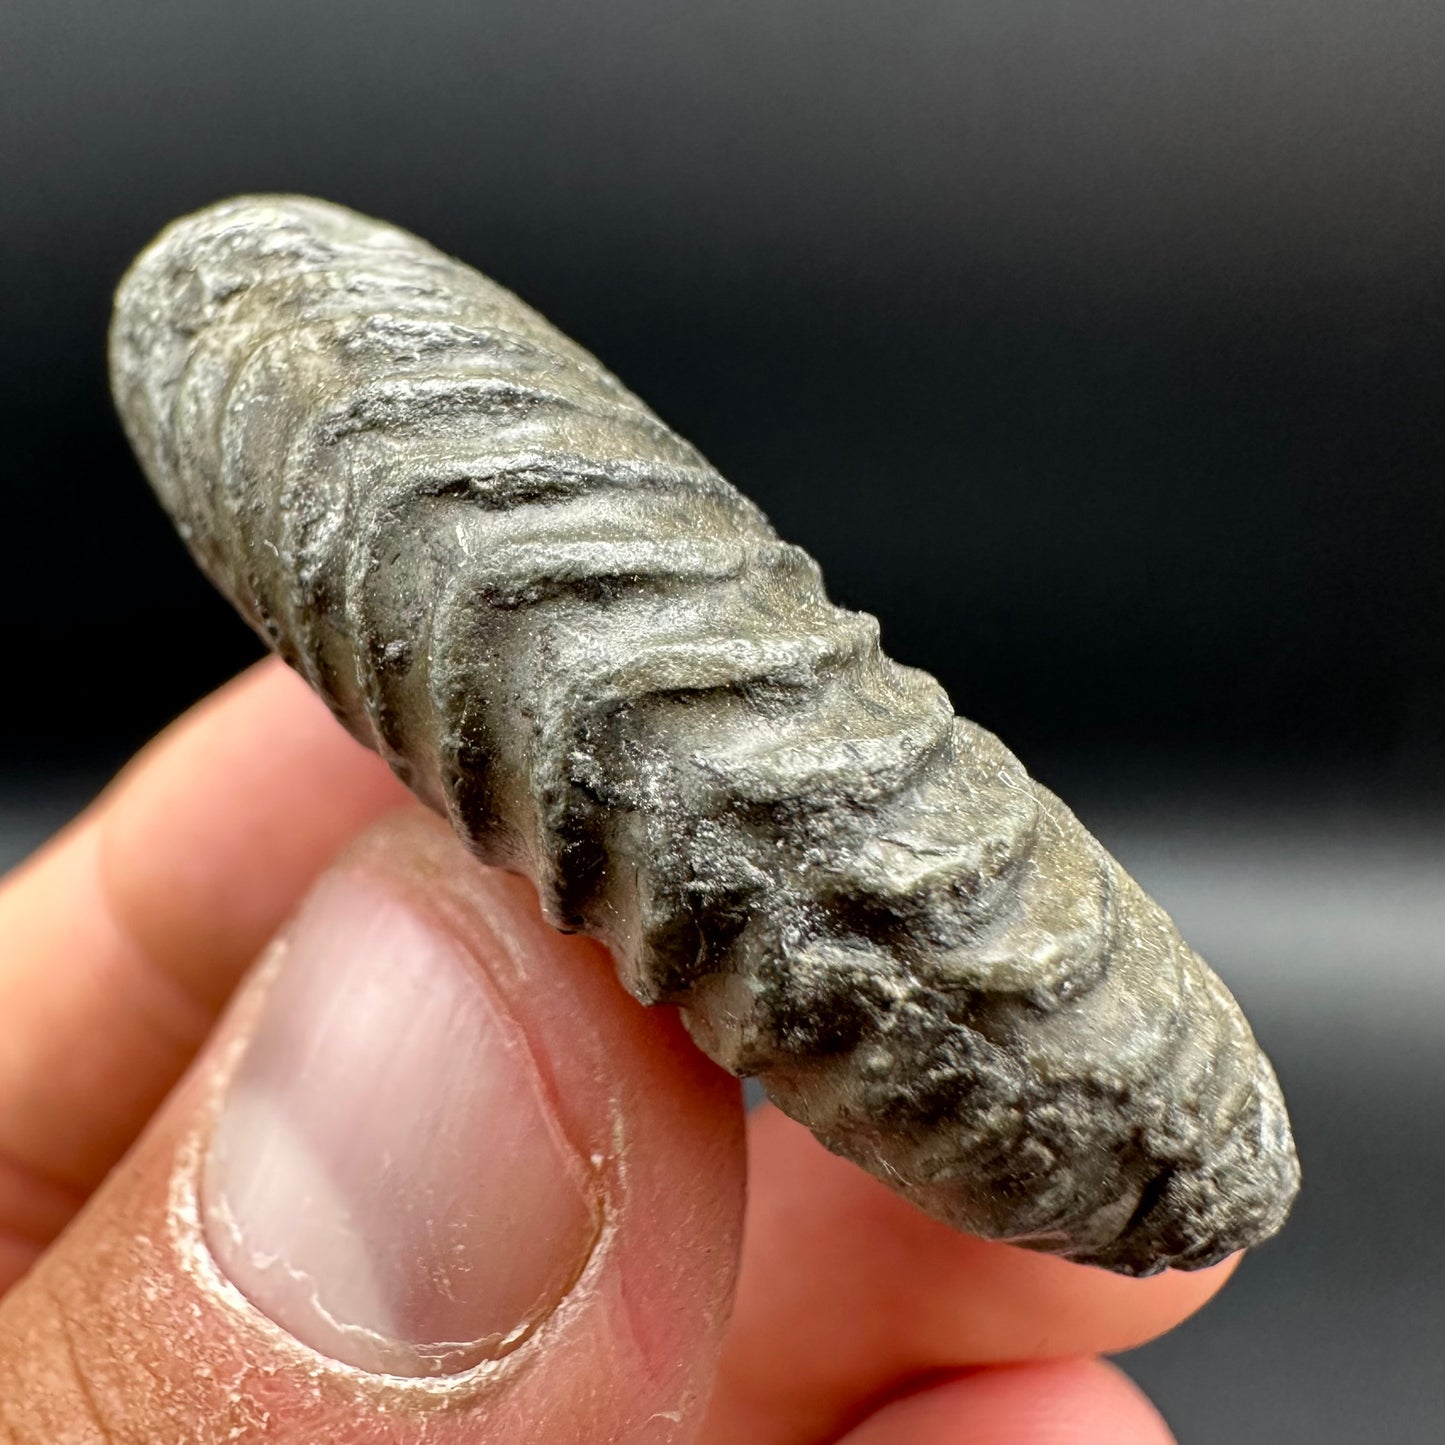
(1114, 337)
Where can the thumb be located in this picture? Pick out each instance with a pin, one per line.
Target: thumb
(436, 1179)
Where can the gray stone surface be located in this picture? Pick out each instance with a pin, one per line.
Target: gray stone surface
(566, 632)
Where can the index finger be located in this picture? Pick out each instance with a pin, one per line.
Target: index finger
(849, 1294)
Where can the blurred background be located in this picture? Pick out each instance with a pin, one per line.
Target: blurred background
(1112, 338)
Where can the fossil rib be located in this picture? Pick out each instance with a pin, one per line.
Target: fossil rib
(565, 631)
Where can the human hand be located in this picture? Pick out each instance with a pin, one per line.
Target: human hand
(435, 1179)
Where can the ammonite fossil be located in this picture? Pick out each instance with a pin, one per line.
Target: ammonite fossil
(566, 632)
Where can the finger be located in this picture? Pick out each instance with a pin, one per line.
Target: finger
(847, 1291)
(439, 1180)
(124, 936)
(1068, 1402)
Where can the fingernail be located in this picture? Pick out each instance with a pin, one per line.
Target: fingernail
(386, 1179)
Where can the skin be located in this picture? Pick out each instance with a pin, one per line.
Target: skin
(843, 1317)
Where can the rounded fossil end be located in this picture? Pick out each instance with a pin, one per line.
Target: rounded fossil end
(1070, 1177)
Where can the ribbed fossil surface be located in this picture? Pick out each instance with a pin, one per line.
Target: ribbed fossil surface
(568, 633)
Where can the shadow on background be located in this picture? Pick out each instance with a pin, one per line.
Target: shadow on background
(1098, 349)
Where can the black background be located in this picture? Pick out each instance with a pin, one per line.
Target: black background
(1098, 348)
(1112, 337)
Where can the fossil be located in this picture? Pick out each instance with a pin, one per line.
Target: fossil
(567, 633)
